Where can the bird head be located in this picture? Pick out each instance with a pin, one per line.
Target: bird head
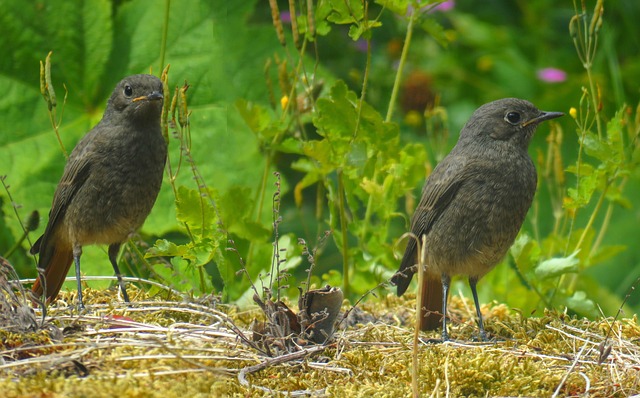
(137, 98)
(509, 120)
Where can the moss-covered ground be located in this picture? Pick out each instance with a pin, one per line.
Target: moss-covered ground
(172, 348)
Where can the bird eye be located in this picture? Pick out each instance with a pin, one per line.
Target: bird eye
(513, 117)
(128, 91)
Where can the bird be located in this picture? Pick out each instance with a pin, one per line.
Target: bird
(473, 205)
(109, 185)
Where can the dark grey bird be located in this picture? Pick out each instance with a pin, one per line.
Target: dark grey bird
(473, 205)
(109, 185)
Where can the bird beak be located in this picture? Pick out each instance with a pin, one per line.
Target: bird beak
(542, 117)
(151, 97)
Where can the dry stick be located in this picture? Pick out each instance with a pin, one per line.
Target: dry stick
(605, 349)
(415, 384)
(573, 365)
(277, 361)
(217, 371)
(446, 377)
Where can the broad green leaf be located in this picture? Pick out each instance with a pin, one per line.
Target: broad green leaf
(237, 208)
(95, 43)
(557, 266)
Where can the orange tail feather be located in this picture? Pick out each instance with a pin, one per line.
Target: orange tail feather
(431, 308)
(56, 262)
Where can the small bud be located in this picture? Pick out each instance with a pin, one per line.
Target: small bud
(573, 112)
(47, 74)
(597, 18)
(33, 221)
(43, 83)
(573, 29)
(284, 101)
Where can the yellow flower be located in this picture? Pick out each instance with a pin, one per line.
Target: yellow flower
(284, 101)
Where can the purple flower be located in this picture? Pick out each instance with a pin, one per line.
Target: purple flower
(285, 17)
(360, 45)
(551, 75)
(445, 6)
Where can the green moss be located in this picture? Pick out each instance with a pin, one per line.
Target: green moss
(175, 349)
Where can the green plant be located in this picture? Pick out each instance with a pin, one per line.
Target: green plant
(607, 157)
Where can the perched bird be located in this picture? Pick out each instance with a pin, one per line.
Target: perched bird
(108, 187)
(473, 205)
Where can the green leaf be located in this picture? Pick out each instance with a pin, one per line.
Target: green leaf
(196, 211)
(606, 252)
(596, 147)
(435, 30)
(96, 43)
(257, 117)
(615, 132)
(345, 11)
(581, 196)
(398, 7)
(581, 304)
(557, 266)
(336, 115)
(526, 252)
(237, 208)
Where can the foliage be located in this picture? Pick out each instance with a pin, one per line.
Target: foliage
(85, 69)
(352, 103)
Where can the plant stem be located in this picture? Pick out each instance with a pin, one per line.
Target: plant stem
(343, 231)
(593, 216)
(594, 99)
(394, 95)
(165, 30)
(403, 58)
(606, 221)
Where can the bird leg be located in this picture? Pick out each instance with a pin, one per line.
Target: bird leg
(77, 252)
(113, 257)
(446, 281)
(472, 283)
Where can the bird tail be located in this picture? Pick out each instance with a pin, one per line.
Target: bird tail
(431, 307)
(55, 261)
(402, 278)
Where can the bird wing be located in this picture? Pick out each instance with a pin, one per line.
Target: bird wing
(438, 192)
(74, 176)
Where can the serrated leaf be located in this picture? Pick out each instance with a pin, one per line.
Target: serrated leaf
(581, 196)
(195, 211)
(585, 169)
(257, 117)
(165, 247)
(345, 11)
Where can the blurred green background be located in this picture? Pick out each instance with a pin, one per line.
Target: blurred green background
(462, 54)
